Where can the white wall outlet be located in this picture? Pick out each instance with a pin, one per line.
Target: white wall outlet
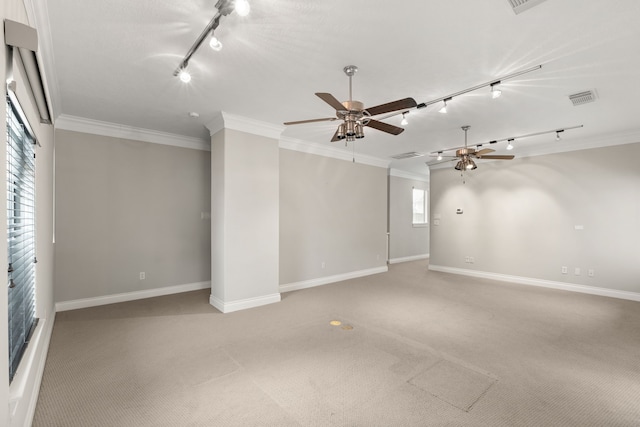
(591, 272)
(466, 259)
(577, 271)
(564, 270)
(436, 222)
(323, 264)
(472, 259)
(142, 275)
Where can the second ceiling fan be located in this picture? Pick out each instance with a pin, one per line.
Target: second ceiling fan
(355, 117)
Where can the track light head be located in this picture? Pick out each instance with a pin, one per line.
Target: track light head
(242, 7)
(404, 121)
(443, 110)
(495, 90)
(184, 75)
(215, 43)
(510, 145)
(558, 134)
(439, 155)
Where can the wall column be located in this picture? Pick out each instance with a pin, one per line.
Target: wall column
(245, 185)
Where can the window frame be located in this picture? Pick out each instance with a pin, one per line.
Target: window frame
(425, 206)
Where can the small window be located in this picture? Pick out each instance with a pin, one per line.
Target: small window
(419, 206)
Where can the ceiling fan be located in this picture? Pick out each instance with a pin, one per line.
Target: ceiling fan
(355, 117)
(466, 155)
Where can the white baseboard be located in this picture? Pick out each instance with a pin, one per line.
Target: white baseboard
(612, 293)
(408, 258)
(130, 296)
(24, 391)
(331, 279)
(228, 307)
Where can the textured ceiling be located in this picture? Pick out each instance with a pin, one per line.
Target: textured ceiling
(114, 62)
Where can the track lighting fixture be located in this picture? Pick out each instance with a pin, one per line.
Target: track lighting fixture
(443, 110)
(495, 90)
(510, 145)
(439, 155)
(558, 134)
(224, 7)
(404, 121)
(215, 43)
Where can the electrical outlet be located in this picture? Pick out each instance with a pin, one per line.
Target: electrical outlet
(591, 272)
(142, 275)
(323, 265)
(577, 271)
(565, 270)
(466, 259)
(472, 259)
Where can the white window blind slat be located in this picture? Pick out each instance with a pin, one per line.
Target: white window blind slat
(20, 206)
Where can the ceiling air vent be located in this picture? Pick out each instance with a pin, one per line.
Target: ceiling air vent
(582, 97)
(408, 155)
(520, 6)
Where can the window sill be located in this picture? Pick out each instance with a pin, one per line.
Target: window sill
(420, 225)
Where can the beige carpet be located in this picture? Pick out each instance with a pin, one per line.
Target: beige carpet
(415, 348)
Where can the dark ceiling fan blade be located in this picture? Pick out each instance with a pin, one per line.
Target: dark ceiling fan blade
(484, 151)
(385, 127)
(331, 100)
(497, 157)
(299, 122)
(401, 104)
(335, 138)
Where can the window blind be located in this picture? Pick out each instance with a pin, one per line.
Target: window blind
(20, 233)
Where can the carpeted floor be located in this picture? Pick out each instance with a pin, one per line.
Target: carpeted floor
(414, 348)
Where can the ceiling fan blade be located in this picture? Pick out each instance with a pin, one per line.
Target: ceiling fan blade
(335, 138)
(331, 100)
(385, 127)
(497, 157)
(328, 119)
(484, 151)
(401, 104)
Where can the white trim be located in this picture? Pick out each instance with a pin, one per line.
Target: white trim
(322, 150)
(38, 16)
(408, 175)
(96, 127)
(243, 124)
(242, 304)
(408, 258)
(331, 279)
(130, 296)
(612, 293)
(26, 385)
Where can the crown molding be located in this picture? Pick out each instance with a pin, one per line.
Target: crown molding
(243, 124)
(38, 16)
(336, 153)
(408, 175)
(96, 127)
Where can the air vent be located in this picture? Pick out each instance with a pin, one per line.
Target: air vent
(408, 155)
(520, 6)
(583, 97)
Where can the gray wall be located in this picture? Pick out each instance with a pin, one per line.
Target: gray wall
(331, 211)
(405, 240)
(520, 217)
(125, 207)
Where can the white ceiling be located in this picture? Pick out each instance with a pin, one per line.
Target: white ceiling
(113, 61)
